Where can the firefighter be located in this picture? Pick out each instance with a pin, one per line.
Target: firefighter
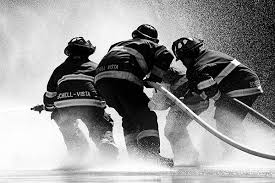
(71, 96)
(175, 81)
(120, 79)
(218, 76)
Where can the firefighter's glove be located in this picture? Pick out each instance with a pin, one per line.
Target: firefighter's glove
(195, 102)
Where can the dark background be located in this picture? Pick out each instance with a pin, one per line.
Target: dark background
(244, 29)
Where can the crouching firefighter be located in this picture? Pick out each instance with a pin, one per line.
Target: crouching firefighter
(119, 79)
(175, 81)
(220, 77)
(71, 96)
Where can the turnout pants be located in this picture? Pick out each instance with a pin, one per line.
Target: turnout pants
(138, 121)
(98, 122)
(229, 116)
(178, 136)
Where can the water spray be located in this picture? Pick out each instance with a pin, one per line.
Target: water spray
(213, 131)
(256, 113)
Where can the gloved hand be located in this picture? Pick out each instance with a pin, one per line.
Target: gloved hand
(195, 102)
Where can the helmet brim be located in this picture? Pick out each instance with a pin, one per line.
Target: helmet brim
(67, 50)
(135, 33)
(186, 52)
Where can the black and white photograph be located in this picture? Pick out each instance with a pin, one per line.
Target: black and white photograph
(135, 91)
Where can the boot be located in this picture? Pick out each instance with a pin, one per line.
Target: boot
(185, 154)
(150, 148)
(163, 161)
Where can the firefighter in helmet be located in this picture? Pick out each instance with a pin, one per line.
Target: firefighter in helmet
(71, 96)
(220, 77)
(120, 79)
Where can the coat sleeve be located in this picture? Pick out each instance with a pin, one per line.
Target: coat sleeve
(163, 59)
(207, 87)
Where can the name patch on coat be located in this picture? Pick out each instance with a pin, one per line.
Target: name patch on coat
(65, 95)
(108, 67)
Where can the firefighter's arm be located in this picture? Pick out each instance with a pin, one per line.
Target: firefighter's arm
(162, 61)
(195, 102)
(208, 87)
(41, 107)
(48, 100)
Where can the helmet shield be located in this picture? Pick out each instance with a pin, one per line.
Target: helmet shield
(78, 46)
(146, 31)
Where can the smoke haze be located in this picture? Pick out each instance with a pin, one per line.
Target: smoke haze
(34, 34)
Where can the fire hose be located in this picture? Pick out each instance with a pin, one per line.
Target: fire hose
(202, 123)
(256, 114)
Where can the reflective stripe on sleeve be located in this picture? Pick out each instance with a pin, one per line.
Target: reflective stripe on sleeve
(119, 75)
(206, 83)
(139, 57)
(49, 107)
(160, 51)
(148, 133)
(229, 68)
(80, 102)
(75, 77)
(245, 92)
(50, 94)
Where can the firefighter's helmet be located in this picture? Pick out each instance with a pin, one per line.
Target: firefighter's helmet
(80, 47)
(146, 31)
(185, 47)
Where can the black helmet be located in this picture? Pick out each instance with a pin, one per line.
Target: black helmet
(146, 31)
(79, 47)
(185, 47)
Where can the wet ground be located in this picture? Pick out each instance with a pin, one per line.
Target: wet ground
(178, 175)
